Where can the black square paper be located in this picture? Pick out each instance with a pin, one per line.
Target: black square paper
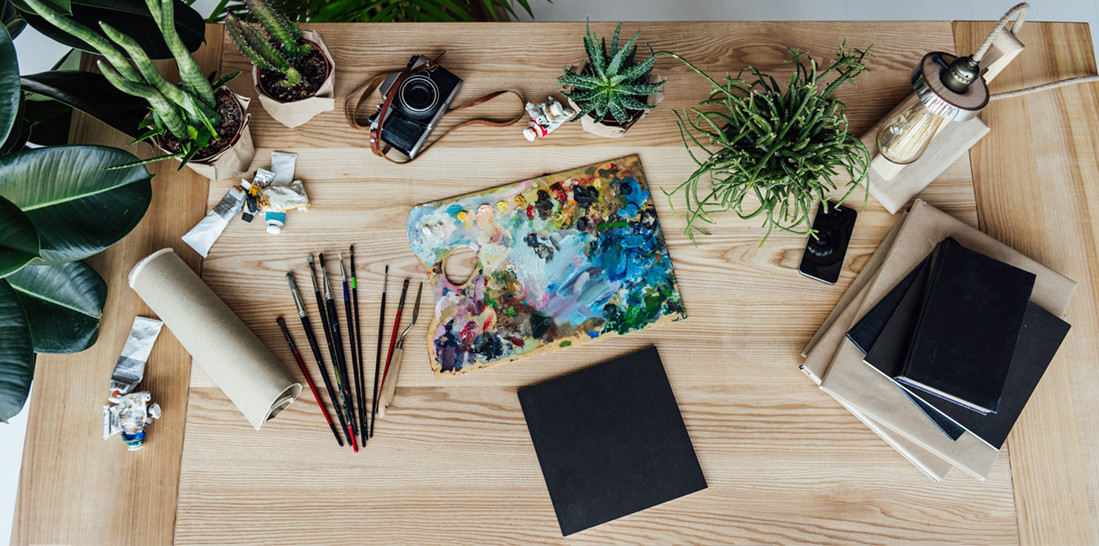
(610, 440)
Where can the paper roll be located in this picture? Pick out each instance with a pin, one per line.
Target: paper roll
(234, 358)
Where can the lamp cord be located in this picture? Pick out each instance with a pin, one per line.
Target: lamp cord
(1020, 12)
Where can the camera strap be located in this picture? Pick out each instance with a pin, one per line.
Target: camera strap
(377, 145)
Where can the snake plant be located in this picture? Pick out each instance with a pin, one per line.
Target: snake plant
(278, 48)
(186, 111)
(612, 83)
(782, 149)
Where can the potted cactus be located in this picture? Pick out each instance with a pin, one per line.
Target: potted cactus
(610, 90)
(202, 124)
(292, 70)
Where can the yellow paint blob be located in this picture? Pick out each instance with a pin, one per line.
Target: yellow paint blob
(465, 217)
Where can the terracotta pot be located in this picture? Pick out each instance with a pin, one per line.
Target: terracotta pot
(602, 128)
(293, 114)
(232, 160)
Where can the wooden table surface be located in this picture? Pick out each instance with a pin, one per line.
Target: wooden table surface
(453, 461)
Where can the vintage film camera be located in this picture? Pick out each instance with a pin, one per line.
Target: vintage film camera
(420, 101)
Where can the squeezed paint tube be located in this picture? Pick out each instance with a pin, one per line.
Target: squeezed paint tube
(283, 164)
(263, 178)
(545, 118)
(131, 411)
(206, 232)
(275, 221)
(279, 198)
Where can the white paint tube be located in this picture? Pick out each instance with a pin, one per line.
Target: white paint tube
(202, 236)
(283, 164)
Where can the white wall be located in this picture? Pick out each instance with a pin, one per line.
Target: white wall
(37, 54)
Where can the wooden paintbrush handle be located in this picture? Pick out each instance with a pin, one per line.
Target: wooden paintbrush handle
(390, 383)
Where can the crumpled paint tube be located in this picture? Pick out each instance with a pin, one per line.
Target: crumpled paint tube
(283, 165)
(202, 236)
(131, 411)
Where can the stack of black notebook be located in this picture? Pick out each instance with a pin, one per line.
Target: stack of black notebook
(960, 336)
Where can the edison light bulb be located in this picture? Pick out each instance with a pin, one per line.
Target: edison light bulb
(948, 89)
(904, 138)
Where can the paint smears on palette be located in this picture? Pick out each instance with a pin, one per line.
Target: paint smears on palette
(562, 259)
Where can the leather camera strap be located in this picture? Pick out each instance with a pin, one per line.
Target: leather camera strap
(352, 106)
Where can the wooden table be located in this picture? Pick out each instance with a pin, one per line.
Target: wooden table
(453, 462)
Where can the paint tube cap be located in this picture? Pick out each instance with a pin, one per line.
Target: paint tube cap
(529, 134)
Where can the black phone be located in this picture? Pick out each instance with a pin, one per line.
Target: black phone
(823, 257)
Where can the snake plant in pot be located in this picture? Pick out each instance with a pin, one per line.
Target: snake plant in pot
(202, 124)
(292, 70)
(610, 90)
(770, 153)
(58, 205)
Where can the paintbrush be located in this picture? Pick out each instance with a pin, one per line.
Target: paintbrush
(378, 360)
(393, 336)
(388, 387)
(351, 342)
(342, 379)
(331, 350)
(309, 379)
(363, 432)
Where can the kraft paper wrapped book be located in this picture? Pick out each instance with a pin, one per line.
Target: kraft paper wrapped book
(234, 358)
(852, 381)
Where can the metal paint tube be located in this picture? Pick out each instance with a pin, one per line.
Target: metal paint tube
(283, 165)
(206, 232)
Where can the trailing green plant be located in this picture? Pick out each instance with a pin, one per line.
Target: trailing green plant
(769, 151)
(279, 47)
(58, 205)
(376, 11)
(612, 83)
(187, 111)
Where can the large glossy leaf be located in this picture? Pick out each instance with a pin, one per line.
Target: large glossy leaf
(12, 19)
(63, 304)
(91, 94)
(18, 239)
(9, 85)
(17, 138)
(77, 206)
(16, 355)
(131, 17)
(48, 121)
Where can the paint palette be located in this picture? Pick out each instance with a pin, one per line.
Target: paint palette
(562, 259)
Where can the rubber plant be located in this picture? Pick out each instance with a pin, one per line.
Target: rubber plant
(767, 152)
(187, 112)
(58, 205)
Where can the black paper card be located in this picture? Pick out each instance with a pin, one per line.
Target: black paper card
(966, 333)
(866, 331)
(610, 440)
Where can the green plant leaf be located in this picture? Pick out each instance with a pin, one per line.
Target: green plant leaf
(9, 86)
(77, 206)
(17, 138)
(13, 21)
(18, 238)
(63, 304)
(132, 16)
(47, 122)
(16, 354)
(92, 94)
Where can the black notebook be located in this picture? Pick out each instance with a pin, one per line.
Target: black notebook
(866, 331)
(967, 328)
(610, 440)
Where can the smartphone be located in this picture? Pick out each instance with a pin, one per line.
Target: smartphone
(823, 257)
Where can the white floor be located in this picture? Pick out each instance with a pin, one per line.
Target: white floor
(37, 54)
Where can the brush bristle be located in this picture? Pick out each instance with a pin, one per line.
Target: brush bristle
(310, 258)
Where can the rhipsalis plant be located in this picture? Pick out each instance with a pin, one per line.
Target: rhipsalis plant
(279, 47)
(187, 111)
(781, 149)
(612, 83)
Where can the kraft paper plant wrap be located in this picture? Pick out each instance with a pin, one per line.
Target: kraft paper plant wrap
(234, 358)
(591, 125)
(232, 160)
(293, 114)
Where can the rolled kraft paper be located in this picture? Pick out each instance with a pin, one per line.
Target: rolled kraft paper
(234, 358)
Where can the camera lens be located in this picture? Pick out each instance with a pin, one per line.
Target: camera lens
(418, 96)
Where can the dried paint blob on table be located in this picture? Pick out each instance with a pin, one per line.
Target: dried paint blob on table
(561, 259)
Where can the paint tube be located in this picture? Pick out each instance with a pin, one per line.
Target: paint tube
(206, 232)
(131, 411)
(263, 178)
(279, 198)
(545, 118)
(275, 221)
(283, 165)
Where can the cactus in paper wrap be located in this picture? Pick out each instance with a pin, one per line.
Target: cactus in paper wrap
(279, 47)
(187, 111)
(615, 84)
